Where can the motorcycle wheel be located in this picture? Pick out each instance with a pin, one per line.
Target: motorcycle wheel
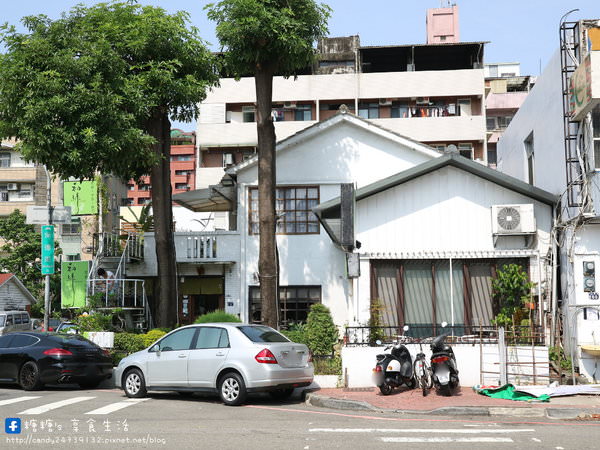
(412, 383)
(386, 389)
(444, 389)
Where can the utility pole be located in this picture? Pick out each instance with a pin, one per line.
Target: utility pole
(45, 267)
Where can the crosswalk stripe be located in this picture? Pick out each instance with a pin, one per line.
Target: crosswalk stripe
(10, 401)
(50, 406)
(117, 406)
(420, 430)
(415, 440)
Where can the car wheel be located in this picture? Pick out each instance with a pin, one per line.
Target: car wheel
(29, 376)
(134, 384)
(90, 384)
(232, 389)
(281, 394)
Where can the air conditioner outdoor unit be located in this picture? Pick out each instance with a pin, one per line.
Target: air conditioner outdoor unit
(422, 100)
(13, 187)
(289, 105)
(385, 102)
(513, 219)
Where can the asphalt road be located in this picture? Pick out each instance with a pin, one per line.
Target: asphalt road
(62, 417)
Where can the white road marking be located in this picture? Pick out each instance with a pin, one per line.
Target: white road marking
(117, 406)
(50, 406)
(411, 440)
(17, 400)
(418, 430)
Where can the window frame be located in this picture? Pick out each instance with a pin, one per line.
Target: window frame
(254, 303)
(471, 149)
(5, 160)
(282, 213)
(303, 108)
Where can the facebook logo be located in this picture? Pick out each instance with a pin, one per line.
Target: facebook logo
(12, 425)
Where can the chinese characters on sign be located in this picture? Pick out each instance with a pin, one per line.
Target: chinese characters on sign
(47, 250)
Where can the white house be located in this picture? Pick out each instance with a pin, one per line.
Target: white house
(418, 212)
(536, 149)
(14, 296)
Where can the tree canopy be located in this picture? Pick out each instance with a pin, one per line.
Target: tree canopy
(77, 92)
(277, 33)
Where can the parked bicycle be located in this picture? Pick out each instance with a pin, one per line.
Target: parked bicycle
(422, 371)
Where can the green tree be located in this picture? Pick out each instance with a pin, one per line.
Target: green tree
(510, 290)
(264, 38)
(94, 91)
(321, 332)
(21, 252)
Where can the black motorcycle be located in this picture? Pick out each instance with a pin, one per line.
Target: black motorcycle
(394, 369)
(443, 366)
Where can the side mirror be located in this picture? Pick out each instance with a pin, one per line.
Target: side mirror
(155, 349)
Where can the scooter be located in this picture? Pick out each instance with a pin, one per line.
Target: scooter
(443, 365)
(394, 369)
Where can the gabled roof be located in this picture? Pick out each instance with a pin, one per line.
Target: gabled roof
(341, 117)
(329, 212)
(5, 277)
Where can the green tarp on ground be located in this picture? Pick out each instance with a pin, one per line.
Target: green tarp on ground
(509, 392)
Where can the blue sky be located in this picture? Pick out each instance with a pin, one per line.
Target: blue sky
(524, 31)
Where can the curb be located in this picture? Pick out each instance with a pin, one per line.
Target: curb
(550, 413)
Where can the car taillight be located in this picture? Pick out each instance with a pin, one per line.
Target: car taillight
(57, 352)
(266, 357)
(377, 369)
(309, 356)
(105, 352)
(439, 359)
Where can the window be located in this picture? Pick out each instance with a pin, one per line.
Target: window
(131, 187)
(294, 303)
(181, 157)
(399, 109)
(529, 154)
(464, 106)
(596, 136)
(25, 318)
(466, 150)
(4, 340)
(262, 334)
(504, 121)
(293, 206)
(368, 110)
(490, 123)
(182, 186)
(144, 201)
(179, 340)
(23, 340)
(71, 228)
(183, 172)
(212, 338)
(25, 192)
(493, 71)
(144, 187)
(129, 202)
(248, 114)
(76, 257)
(303, 112)
(4, 159)
(3, 193)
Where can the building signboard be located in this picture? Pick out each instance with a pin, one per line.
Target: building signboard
(82, 197)
(47, 250)
(583, 88)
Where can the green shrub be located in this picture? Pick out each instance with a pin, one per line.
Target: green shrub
(94, 322)
(328, 366)
(297, 332)
(129, 342)
(321, 331)
(152, 336)
(217, 316)
(117, 356)
(510, 290)
(556, 353)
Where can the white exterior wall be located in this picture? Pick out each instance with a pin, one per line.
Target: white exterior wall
(541, 113)
(12, 297)
(343, 153)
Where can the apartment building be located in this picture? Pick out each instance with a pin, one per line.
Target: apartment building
(433, 93)
(506, 91)
(183, 170)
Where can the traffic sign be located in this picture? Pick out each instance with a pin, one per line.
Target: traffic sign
(47, 250)
(38, 215)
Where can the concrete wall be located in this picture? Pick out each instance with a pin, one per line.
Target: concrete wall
(358, 363)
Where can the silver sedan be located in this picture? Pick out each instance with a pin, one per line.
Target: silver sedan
(229, 358)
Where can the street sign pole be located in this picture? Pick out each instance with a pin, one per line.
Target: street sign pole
(47, 240)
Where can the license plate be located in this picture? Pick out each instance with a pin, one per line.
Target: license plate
(443, 375)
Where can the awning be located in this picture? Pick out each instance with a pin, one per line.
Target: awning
(214, 198)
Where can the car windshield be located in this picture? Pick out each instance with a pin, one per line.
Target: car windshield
(262, 334)
(2, 319)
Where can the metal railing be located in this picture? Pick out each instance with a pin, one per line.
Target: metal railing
(518, 335)
(115, 245)
(118, 292)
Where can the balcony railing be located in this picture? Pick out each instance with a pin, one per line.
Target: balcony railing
(518, 335)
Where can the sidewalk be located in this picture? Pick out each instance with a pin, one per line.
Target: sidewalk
(463, 402)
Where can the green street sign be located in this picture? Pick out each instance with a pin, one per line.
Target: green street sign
(47, 250)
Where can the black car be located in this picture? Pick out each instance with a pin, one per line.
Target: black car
(34, 359)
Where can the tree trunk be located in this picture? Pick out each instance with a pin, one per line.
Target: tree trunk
(267, 263)
(165, 294)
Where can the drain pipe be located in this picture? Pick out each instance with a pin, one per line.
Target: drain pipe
(554, 306)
